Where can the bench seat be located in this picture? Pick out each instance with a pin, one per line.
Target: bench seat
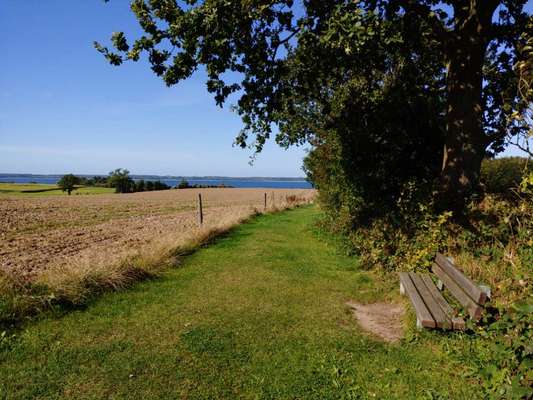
(432, 310)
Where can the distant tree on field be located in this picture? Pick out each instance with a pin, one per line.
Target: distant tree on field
(93, 181)
(120, 179)
(149, 186)
(158, 185)
(68, 183)
(183, 184)
(140, 186)
(100, 180)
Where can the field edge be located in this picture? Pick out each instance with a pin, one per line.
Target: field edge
(61, 290)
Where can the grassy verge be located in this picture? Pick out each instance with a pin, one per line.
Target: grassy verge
(38, 189)
(65, 286)
(258, 314)
(75, 284)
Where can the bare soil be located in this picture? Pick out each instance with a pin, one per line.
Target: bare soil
(383, 320)
(38, 232)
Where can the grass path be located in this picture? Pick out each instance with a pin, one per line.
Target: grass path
(259, 314)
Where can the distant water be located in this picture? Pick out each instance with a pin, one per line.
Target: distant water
(271, 183)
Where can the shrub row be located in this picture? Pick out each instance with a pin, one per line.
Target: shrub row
(503, 175)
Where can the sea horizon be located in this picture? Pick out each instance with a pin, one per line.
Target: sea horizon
(174, 180)
(144, 176)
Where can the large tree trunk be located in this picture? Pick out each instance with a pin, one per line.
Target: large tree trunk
(465, 142)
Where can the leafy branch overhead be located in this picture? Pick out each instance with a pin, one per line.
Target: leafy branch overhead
(310, 69)
(224, 36)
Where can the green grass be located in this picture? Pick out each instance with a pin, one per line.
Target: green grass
(259, 314)
(38, 189)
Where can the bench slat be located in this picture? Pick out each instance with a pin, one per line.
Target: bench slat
(440, 317)
(469, 287)
(457, 322)
(473, 309)
(423, 315)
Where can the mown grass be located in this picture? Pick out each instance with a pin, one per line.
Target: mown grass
(38, 189)
(259, 314)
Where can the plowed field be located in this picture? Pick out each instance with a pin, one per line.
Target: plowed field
(38, 232)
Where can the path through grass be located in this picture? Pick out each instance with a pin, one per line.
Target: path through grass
(259, 314)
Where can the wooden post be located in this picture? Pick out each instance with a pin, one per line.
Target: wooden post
(265, 201)
(200, 210)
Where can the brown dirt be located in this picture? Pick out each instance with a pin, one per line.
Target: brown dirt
(381, 319)
(38, 232)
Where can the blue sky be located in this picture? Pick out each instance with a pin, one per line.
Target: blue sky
(64, 109)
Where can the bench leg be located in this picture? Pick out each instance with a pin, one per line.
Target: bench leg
(419, 325)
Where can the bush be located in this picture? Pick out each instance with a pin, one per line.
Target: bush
(120, 179)
(68, 183)
(493, 245)
(502, 175)
(500, 353)
(158, 185)
(140, 186)
(100, 181)
(183, 184)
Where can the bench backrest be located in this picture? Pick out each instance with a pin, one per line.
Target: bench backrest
(462, 288)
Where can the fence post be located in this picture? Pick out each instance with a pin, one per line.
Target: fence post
(265, 201)
(200, 210)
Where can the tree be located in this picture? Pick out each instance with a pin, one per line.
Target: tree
(140, 186)
(121, 180)
(68, 183)
(478, 115)
(290, 60)
(158, 185)
(183, 184)
(524, 69)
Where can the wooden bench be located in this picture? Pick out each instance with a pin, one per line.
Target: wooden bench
(432, 309)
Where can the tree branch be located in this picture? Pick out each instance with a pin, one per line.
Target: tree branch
(501, 31)
(282, 42)
(425, 12)
(474, 12)
(525, 148)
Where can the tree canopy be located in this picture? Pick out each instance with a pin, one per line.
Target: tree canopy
(120, 179)
(68, 183)
(416, 89)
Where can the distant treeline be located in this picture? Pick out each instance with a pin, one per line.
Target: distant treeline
(100, 181)
(119, 179)
(184, 184)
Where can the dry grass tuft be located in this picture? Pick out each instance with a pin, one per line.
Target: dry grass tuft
(19, 298)
(80, 279)
(508, 277)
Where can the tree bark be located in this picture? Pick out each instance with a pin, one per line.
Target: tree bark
(465, 142)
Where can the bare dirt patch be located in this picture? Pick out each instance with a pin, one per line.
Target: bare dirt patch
(381, 319)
